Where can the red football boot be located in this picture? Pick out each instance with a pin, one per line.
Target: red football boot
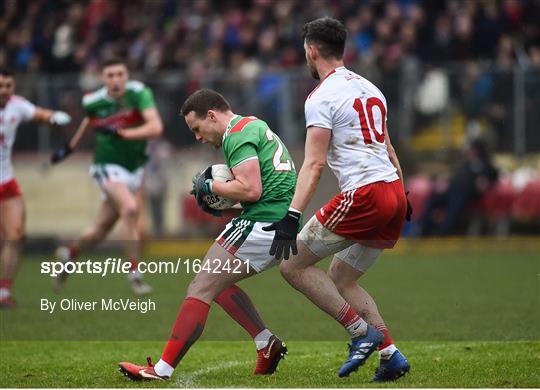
(269, 357)
(141, 373)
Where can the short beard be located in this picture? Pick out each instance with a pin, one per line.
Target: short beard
(314, 73)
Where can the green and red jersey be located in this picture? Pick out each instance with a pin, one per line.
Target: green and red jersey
(123, 113)
(249, 138)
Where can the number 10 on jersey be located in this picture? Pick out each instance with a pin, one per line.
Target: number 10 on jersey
(370, 103)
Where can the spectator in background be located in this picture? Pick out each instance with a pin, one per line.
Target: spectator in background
(468, 183)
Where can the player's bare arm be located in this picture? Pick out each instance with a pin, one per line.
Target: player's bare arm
(63, 152)
(246, 186)
(317, 142)
(43, 115)
(152, 127)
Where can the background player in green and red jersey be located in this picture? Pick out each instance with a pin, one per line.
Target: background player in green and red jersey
(264, 182)
(124, 115)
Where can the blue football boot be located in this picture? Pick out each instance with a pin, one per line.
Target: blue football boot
(360, 349)
(392, 369)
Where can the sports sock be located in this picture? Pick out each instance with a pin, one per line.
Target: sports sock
(387, 339)
(162, 368)
(237, 304)
(386, 352)
(351, 321)
(134, 273)
(262, 339)
(5, 288)
(187, 328)
(72, 253)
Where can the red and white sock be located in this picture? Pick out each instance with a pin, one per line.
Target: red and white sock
(187, 328)
(351, 321)
(387, 347)
(5, 288)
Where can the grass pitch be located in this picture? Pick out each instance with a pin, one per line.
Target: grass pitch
(462, 319)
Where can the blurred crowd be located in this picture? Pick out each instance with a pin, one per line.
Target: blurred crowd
(246, 36)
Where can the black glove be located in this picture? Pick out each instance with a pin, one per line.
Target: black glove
(409, 208)
(285, 236)
(107, 129)
(61, 154)
(201, 188)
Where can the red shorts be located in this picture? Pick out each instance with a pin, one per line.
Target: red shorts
(372, 215)
(9, 189)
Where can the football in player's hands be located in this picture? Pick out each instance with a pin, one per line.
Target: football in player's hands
(202, 188)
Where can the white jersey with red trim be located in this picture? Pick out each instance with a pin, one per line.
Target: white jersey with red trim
(355, 112)
(17, 110)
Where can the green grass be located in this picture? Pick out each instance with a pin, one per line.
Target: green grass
(229, 364)
(463, 320)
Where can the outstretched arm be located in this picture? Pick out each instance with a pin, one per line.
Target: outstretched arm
(63, 152)
(152, 127)
(44, 115)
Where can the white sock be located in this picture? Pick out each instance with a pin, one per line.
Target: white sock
(358, 328)
(134, 275)
(163, 368)
(4, 293)
(262, 339)
(386, 353)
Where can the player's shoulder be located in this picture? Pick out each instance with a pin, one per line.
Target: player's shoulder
(18, 100)
(19, 104)
(245, 125)
(135, 86)
(94, 97)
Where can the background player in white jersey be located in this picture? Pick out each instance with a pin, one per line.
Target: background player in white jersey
(14, 110)
(346, 122)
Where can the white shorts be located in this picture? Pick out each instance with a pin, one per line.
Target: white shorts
(113, 173)
(322, 242)
(248, 242)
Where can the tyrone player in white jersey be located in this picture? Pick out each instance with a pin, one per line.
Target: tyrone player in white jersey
(346, 127)
(14, 110)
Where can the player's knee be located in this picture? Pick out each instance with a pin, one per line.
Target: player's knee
(129, 212)
(15, 233)
(288, 271)
(202, 289)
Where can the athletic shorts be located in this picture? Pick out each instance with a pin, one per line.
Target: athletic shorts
(112, 173)
(248, 242)
(372, 215)
(355, 226)
(9, 189)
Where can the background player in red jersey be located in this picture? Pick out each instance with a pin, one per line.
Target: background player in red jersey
(14, 110)
(346, 122)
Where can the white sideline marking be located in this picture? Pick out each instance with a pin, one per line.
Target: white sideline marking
(189, 380)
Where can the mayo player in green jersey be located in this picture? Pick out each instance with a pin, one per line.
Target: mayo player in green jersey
(124, 115)
(264, 182)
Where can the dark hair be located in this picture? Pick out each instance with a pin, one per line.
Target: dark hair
(328, 34)
(113, 61)
(6, 72)
(203, 100)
